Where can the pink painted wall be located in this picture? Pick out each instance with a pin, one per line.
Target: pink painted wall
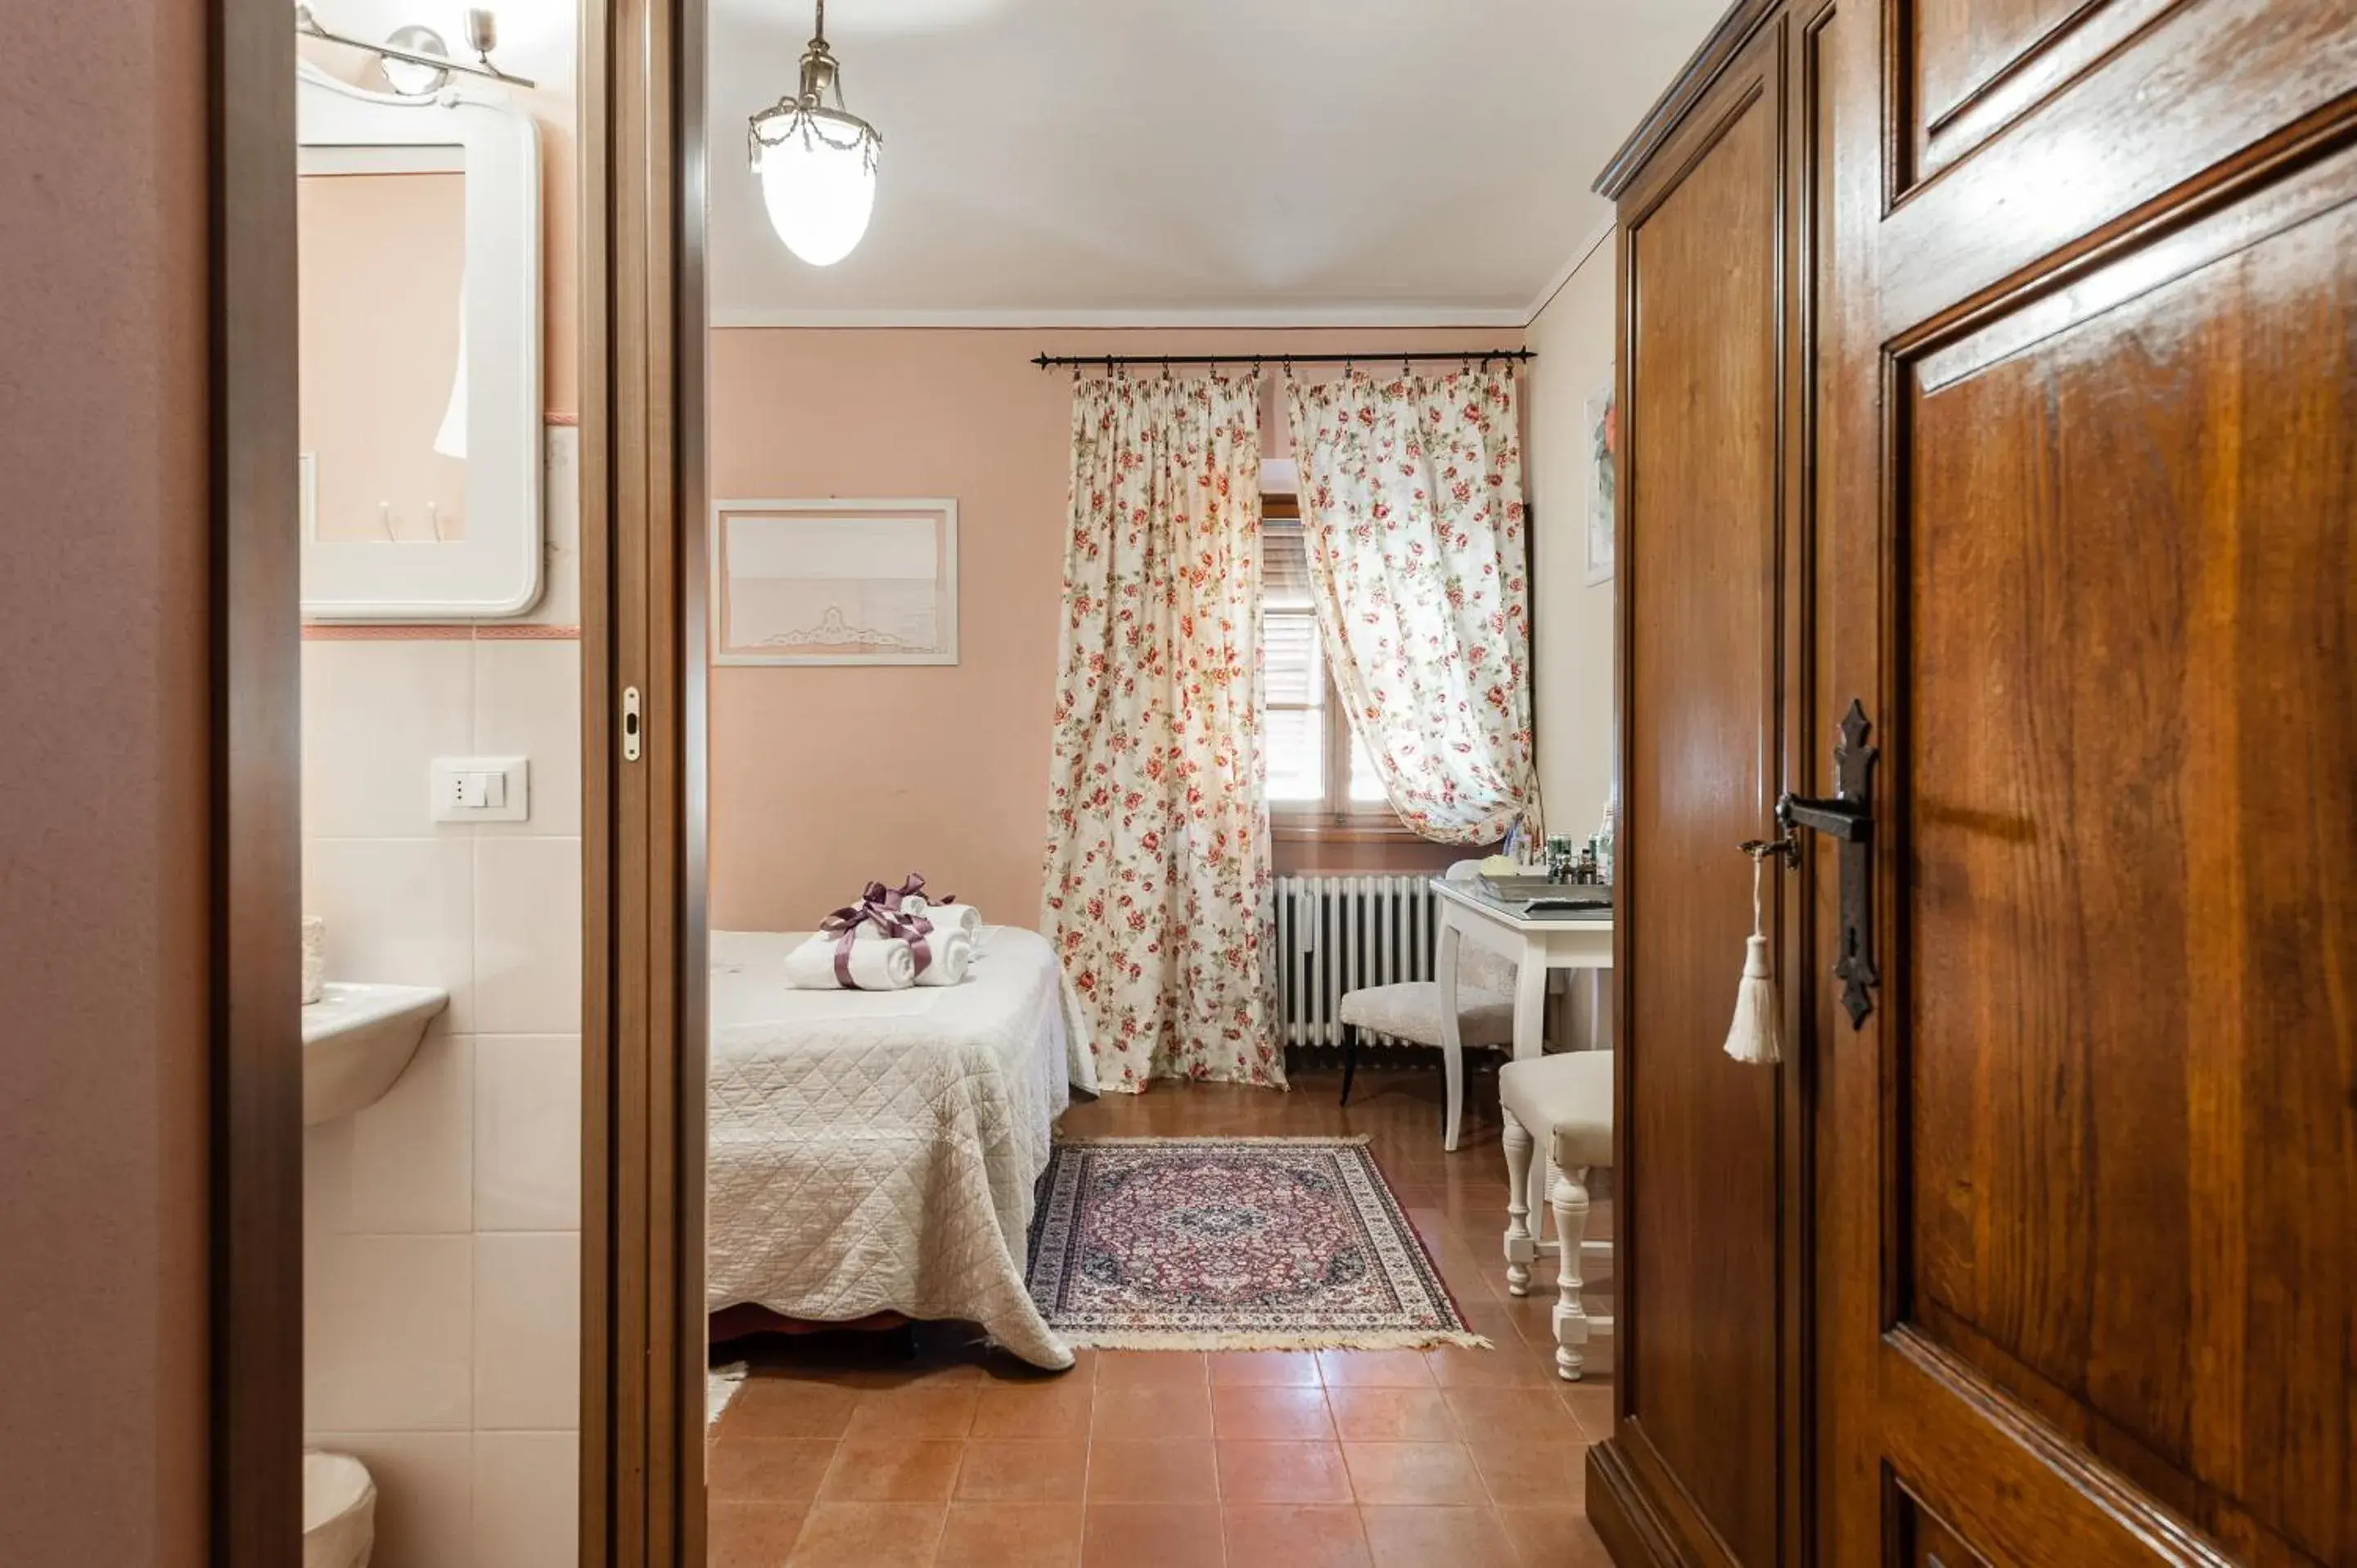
(824, 778)
(103, 657)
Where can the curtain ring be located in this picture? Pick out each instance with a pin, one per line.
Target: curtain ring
(1406, 374)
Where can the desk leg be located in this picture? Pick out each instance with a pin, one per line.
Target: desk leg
(1452, 1045)
(1529, 1005)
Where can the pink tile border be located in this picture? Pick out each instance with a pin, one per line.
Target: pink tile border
(457, 631)
(523, 631)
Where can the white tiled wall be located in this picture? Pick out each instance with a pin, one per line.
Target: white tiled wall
(442, 1224)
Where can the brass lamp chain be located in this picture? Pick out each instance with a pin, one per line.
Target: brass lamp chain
(805, 112)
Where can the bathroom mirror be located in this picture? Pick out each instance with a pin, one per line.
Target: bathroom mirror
(419, 230)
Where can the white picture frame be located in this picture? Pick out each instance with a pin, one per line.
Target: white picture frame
(495, 571)
(834, 582)
(1599, 424)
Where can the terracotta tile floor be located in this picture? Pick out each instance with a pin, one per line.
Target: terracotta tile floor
(843, 1450)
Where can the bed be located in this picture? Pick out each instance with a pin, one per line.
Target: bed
(876, 1152)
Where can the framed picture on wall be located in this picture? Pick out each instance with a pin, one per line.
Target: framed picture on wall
(1602, 423)
(834, 582)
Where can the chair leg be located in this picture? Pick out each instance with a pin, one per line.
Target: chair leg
(1568, 1199)
(1350, 1058)
(1520, 1246)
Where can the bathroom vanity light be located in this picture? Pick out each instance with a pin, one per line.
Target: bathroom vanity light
(415, 61)
(817, 164)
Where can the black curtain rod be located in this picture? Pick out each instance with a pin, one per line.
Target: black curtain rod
(1049, 361)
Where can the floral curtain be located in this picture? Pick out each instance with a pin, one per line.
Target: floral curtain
(1157, 857)
(1412, 508)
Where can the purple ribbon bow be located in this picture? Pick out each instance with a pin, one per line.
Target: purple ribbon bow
(913, 887)
(879, 907)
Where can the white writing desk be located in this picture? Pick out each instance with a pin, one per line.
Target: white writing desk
(1533, 944)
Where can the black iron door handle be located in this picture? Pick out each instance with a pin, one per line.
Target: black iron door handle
(1848, 819)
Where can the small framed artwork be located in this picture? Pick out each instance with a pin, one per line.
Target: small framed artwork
(834, 582)
(1602, 423)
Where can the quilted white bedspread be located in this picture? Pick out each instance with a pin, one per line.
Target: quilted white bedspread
(876, 1151)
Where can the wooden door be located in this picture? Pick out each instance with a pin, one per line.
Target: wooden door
(2093, 1198)
(1691, 1474)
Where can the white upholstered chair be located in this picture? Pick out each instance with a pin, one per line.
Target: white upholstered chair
(1562, 1104)
(1410, 1010)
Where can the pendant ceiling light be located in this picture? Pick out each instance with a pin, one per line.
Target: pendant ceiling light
(817, 163)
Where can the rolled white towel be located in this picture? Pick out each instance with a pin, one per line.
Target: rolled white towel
(314, 958)
(950, 951)
(878, 964)
(945, 916)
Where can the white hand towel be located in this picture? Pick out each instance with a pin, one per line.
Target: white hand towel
(314, 958)
(878, 964)
(951, 951)
(945, 916)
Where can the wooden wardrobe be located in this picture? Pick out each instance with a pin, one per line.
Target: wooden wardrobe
(1988, 398)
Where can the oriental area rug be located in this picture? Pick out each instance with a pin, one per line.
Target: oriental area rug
(1232, 1244)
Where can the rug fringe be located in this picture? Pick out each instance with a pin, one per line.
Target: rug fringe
(721, 1386)
(1357, 1140)
(1405, 1339)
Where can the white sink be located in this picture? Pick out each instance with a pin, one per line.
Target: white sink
(339, 1510)
(356, 1041)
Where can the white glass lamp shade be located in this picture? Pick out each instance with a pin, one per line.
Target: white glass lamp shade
(819, 183)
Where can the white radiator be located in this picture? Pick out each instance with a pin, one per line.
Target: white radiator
(1339, 934)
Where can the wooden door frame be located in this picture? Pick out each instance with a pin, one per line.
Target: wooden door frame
(642, 589)
(643, 514)
(255, 1121)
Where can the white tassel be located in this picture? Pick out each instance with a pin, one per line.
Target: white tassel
(1753, 1037)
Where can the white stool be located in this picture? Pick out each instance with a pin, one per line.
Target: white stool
(1567, 1100)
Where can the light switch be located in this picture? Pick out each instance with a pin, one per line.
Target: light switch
(481, 789)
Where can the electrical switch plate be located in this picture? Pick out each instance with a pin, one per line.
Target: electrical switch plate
(481, 789)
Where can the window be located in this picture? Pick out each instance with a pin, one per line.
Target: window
(1309, 730)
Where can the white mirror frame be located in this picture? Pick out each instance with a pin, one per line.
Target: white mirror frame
(495, 569)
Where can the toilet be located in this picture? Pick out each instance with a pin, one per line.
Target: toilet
(339, 1511)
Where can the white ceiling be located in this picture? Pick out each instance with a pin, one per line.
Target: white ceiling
(1196, 162)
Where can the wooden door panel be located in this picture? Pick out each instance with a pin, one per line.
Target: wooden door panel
(2126, 1040)
(2206, 84)
(1979, 64)
(1698, 572)
(1961, 46)
(1926, 1541)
